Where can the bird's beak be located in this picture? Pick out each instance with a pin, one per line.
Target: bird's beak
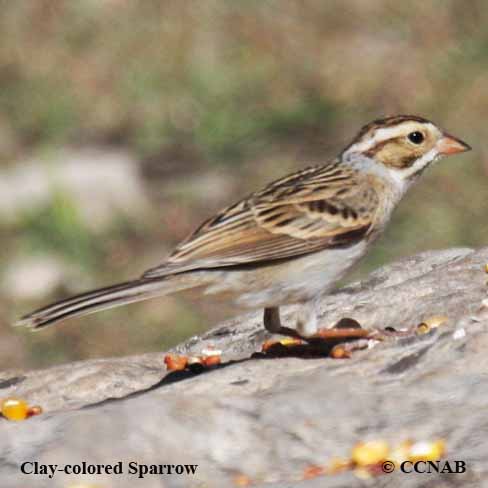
(451, 145)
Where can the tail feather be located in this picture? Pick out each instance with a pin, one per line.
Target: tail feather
(104, 298)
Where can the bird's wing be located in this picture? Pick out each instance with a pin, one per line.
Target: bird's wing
(313, 209)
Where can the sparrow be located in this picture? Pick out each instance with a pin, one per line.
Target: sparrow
(290, 242)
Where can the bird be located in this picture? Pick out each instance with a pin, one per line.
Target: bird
(291, 241)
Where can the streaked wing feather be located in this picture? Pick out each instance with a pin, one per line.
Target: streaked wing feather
(304, 212)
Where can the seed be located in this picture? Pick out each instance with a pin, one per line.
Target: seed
(291, 341)
(210, 361)
(431, 323)
(339, 352)
(400, 452)
(427, 451)
(422, 328)
(435, 321)
(175, 363)
(371, 452)
(286, 342)
(14, 409)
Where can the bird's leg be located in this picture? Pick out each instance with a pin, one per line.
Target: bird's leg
(272, 323)
(271, 319)
(307, 327)
(307, 324)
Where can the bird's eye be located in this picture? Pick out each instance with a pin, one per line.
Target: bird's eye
(416, 137)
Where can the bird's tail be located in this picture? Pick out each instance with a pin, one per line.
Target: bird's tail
(104, 298)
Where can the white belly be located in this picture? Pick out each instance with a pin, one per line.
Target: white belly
(296, 281)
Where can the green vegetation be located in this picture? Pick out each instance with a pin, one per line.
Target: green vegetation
(58, 229)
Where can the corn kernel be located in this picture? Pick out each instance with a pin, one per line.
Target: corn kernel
(427, 451)
(339, 352)
(291, 341)
(209, 361)
(401, 452)
(175, 363)
(372, 452)
(435, 321)
(286, 342)
(422, 328)
(14, 409)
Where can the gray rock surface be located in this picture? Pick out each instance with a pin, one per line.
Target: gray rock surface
(269, 418)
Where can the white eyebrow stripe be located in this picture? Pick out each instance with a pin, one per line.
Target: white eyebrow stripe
(386, 133)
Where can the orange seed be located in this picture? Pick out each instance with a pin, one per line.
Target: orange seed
(14, 409)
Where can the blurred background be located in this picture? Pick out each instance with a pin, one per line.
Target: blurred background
(125, 123)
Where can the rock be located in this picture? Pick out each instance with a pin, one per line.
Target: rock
(269, 419)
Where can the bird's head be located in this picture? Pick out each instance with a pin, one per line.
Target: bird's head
(404, 144)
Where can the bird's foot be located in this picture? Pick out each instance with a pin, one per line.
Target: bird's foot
(341, 340)
(338, 341)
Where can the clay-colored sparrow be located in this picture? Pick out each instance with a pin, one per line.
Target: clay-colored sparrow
(293, 240)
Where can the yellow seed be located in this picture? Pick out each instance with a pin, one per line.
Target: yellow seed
(290, 341)
(14, 409)
(400, 452)
(486, 268)
(431, 323)
(422, 328)
(435, 321)
(372, 452)
(427, 451)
